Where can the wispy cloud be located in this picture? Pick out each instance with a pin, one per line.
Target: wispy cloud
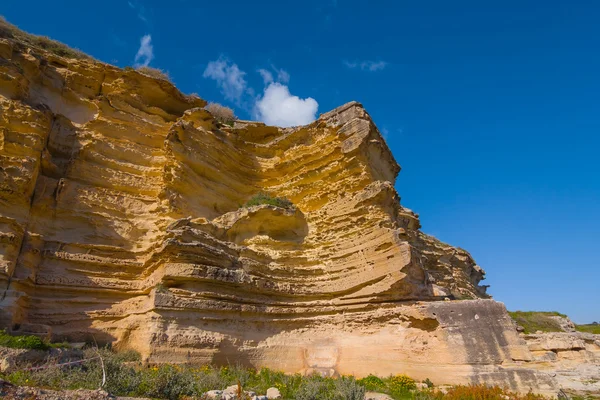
(275, 75)
(282, 75)
(140, 10)
(367, 65)
(229, 78)
(266, 75)
(145, 53)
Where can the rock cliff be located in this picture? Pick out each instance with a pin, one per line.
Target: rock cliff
(122, 221)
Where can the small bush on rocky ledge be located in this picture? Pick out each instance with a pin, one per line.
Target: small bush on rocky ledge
(161, 288)
(154, 73)
(265, 198)
(221, 113)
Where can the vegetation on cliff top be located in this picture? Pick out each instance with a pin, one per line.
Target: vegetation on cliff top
(589, 328)
(156, 73)
(10, 31)
(533, 321)
(543, 321)
(265, 198)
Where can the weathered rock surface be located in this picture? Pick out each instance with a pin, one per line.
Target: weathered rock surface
(572, 358)
(121, 221)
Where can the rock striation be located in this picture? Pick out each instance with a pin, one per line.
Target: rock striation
(572, 358)
(122, 221)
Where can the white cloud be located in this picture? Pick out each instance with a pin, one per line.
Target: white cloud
(276, 106)
(279, 107)
(145, 53)
(228, 76)
(266, 75)
(370, 66)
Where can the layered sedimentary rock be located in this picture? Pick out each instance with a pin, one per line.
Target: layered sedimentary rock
(122, 220)
(572, 358)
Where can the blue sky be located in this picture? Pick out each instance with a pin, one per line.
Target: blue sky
(492, 108)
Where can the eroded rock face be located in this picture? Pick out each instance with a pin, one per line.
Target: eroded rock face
(572, 358)
(121, 220)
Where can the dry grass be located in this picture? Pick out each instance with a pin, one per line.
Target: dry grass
(154, 73)
(477, 392)
(10, 31)
(221, 113)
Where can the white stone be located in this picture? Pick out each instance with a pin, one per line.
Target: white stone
(273, 393)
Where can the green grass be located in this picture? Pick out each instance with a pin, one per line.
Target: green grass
(534, 321)
(10, 31)
(589, 328)
(265, 198)
(126, 376)
(27, 342)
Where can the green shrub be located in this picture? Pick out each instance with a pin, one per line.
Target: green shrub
(161, 288)
(373, 383)
(315, 388)
(266, 378)
(167, 382)
(347, 388)
(22, 342)
(124, 377)
(400, 385)
(265, 198)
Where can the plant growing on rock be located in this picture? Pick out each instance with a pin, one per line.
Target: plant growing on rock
(8, 30)
(161, 288)
(154, 73)
(221, 113)
(265, 198)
